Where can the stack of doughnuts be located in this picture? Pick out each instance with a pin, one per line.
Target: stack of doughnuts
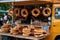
(26, 31)
(39, 32)
(32, 29)
(5, 28)
(16, 30)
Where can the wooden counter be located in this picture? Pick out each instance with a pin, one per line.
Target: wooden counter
(20, 36)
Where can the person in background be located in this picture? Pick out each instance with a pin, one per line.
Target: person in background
(5, 18)
(1, 21)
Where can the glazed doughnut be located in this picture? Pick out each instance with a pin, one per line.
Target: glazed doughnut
(17, 12)
(35, 14)
(11, 11)
(47, 14)
(24, 12)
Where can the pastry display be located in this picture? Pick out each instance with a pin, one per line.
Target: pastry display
(24, 30)
(26, 21)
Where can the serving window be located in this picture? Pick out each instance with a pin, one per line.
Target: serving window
(38, 7)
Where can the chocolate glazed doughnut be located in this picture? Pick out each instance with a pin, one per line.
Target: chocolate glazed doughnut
(46, 9)
(11, 11)
(17, 12)
(24, 12)
(35, 12)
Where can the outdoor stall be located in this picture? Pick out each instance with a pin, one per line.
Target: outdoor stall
(30, 20)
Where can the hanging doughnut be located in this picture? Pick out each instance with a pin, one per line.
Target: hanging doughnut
(11, 11)
(47, 14)
(17, 12)
(35, 14)
(24, 12)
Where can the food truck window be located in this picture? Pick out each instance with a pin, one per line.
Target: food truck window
(57, 13)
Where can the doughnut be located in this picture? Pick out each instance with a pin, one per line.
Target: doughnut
(11, 11)
(17, 12)
(46, 14)
(24, 12)
(35, 10)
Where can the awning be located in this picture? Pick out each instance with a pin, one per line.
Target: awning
(3, 11)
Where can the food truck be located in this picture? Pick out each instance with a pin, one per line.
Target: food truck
(35, 19)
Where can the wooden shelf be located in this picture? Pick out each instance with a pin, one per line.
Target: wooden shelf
(29, 3)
